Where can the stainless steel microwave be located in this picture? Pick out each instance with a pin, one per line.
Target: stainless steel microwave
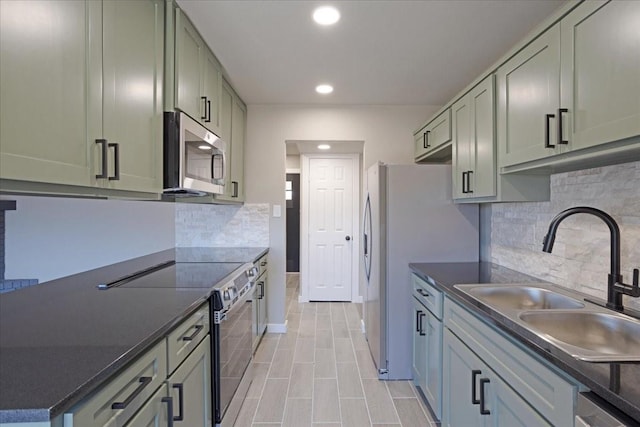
(194, 158)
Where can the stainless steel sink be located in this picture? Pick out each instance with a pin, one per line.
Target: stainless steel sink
(588, 335)
(522, 298)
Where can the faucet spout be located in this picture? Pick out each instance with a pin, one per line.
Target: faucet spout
(614, 295)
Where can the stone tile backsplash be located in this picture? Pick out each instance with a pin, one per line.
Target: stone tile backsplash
(580, 258)
(201, 225)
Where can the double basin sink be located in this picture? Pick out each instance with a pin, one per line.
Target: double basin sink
(583, 330)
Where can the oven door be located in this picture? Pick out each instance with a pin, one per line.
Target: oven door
(232, 351)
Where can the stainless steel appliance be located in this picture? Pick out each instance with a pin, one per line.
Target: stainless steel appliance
(231, 343)
(408, 217)
(194, 158)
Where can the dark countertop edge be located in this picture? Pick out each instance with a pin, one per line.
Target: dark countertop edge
(91, 385)
(541, 347)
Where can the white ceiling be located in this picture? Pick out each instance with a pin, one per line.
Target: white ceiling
(379, 53)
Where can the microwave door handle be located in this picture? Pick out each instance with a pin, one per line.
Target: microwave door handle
(213, 166)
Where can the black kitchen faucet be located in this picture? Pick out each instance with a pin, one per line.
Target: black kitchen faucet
(616, 287)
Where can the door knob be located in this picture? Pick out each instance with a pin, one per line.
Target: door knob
(347, 238)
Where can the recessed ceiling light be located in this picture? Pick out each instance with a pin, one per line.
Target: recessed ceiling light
(324, 89)
(324, 146)
(326, 15)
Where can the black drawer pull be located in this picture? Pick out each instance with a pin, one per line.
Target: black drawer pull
(425, 139)
(208, 112)
(423, 292)
(144, 381)
(235, 188)
(483, 411)
(464, 182)
(193, 335)
(422, 316)
(204, 104)
(180, 388)
(474, 375)
(103, 173)
(169, 402)
(469, 190)
(261, 284)
(418, 313)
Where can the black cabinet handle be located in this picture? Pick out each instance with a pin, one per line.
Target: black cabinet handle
(483, 410)
(469, 190)
(464, 181)
(180, 388)
(208, 112)
(474, 375)
(103, 174)
(193, 335)
(422, 316)
(560, 132)
(235, 188)
(169, 402)
(204, 105)
(261, 284)
(144, 381)
(425, 139)
(547, 133)
(422, 292)
(116, 161)
(263, 263)
(418, 313)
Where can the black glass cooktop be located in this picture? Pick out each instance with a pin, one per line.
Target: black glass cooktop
(185, 275)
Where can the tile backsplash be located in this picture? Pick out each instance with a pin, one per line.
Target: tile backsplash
(201, 225)
(580, 258)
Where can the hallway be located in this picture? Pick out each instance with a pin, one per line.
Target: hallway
(320, 373)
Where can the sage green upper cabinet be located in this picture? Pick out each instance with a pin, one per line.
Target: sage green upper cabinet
(232, 129)
(238, 130)
(600, 72)
(528, 100)
(90, 73)
(431, 142)
(132, 64)
(43, 122)
(473, 147)
(198, 75)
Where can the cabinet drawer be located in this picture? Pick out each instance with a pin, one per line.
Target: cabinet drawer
(550, 394)
(126, 393)
(186, 336)
(428, 295)
(262, 265)
(433, 135)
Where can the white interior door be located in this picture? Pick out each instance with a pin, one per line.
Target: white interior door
(331, 240)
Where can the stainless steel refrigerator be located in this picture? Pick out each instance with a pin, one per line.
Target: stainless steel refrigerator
(409, 216)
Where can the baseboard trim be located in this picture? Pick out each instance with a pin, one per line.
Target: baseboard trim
(358, 300)
(277, 328)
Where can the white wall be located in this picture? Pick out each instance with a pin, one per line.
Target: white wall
(48, 237)
(580, 257)
(293, 162)
(387, 132)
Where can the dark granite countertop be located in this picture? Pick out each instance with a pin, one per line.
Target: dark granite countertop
(616, 385)
(59, 341)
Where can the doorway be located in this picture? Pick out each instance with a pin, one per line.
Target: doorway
(292, 200)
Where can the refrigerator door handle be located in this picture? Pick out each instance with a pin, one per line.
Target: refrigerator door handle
(367, 242)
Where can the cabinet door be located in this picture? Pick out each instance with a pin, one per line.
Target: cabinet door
(132, 63)
(43, 75)
(226, 107)
(262, 305)
(528, 100)
(601, 72)
(460, 385)
(154, 413)
(509, 409)
(461, 146)
(188, 68)
(190, 388)
(238, 130)
(419, 344)
(482, 151)
(212, 82)
(433, 363)
(420, 141)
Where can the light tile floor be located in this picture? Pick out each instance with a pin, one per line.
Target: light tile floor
(320, 374)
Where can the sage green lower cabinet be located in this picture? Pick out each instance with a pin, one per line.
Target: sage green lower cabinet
(475, 396)
(155, 412)
(259, 305)
(485, 370)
